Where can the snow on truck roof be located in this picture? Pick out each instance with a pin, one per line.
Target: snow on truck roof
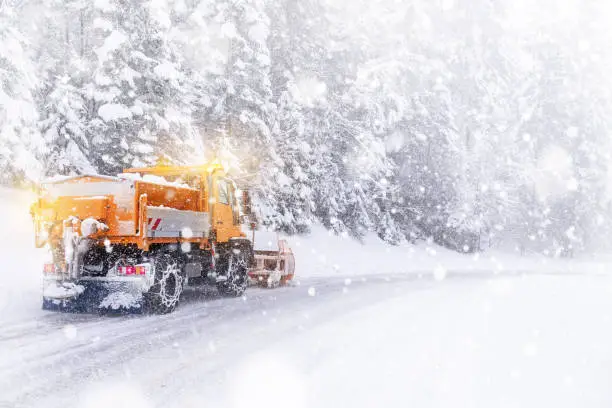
(61, 179)
(150, 178)
(147, 178)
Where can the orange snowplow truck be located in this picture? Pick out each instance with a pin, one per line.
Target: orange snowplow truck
(136, 240)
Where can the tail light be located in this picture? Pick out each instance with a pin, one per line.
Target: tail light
(49, 269)
(130, 270)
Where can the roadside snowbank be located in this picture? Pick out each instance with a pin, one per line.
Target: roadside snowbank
(323, 253)
(20, 262)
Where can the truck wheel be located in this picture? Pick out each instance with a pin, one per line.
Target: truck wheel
(235, 267)
(164, 295)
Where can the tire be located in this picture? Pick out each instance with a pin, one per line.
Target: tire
(234, 268)
(164, 296)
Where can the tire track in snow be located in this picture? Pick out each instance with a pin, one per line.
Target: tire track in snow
(31, 380)
(180, 338)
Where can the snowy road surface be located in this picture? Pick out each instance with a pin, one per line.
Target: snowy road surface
(470, 340)
(465, 339)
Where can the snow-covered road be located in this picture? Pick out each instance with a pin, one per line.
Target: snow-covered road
(477, 337)
(470, 340)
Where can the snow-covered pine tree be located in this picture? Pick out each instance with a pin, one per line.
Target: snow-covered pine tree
(402, 85)
(245, 110)
(20, 142)
(342, 168)
(198, 31)
(296, 48)
(64, 129)
(290, 187)
(138, 98)
(64, 63)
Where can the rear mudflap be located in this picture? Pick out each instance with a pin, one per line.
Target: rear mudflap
(98, 296)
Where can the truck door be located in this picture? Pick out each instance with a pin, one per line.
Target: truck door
(223, 214)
